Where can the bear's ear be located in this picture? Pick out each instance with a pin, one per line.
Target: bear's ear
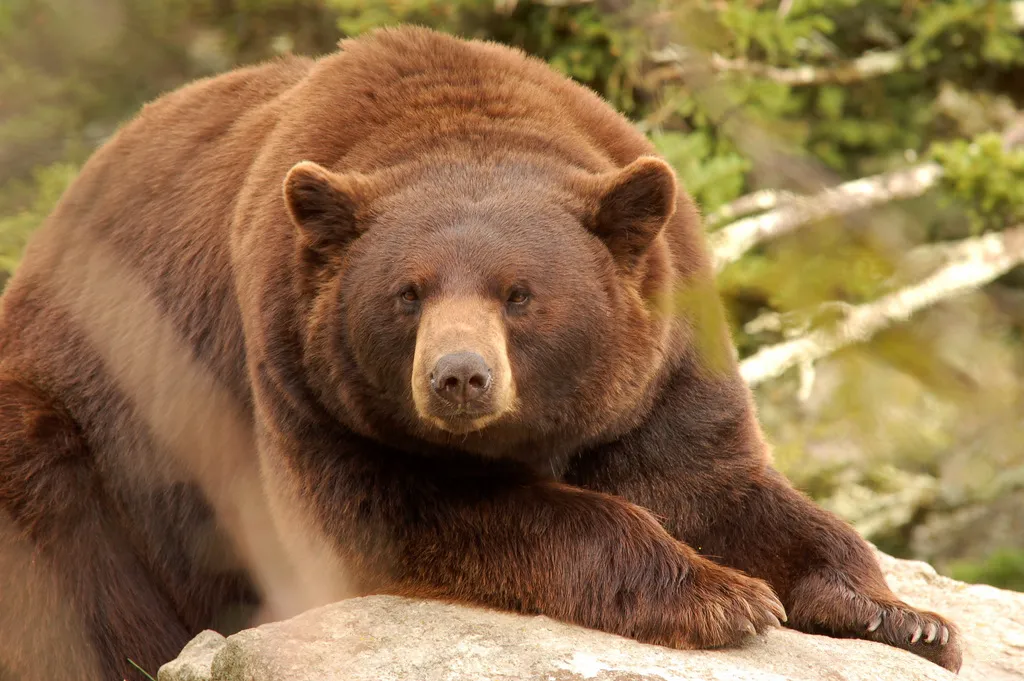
(633, 206)
(325, 206)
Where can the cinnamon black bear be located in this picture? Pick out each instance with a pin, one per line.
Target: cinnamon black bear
(421, 317)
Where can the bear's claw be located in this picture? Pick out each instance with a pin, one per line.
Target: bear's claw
(824, 604)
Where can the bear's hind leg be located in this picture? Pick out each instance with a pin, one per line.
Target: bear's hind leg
(76, 602)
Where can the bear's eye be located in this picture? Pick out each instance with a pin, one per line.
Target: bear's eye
(518, 296)
(409, 295)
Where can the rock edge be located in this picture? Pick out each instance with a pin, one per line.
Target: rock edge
(384, 638)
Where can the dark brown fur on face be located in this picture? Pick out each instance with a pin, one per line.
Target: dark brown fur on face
(230, 328)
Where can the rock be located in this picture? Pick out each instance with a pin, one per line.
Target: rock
(195, 660)
(382, 638)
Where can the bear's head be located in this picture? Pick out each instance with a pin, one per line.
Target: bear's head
(501, 309)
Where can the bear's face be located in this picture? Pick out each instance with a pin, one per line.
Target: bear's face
(475, 313)
(481, 309)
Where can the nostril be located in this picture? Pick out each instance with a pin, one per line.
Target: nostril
(461, 377)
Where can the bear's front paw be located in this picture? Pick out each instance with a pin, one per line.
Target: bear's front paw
(828, 604)
(717, 606)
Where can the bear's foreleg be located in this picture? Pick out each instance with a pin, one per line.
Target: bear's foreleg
(487, 533)
(700, 465)
(824, 572)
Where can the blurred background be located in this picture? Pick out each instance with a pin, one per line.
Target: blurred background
(860, 165)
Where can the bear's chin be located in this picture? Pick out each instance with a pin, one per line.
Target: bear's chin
(460, 424)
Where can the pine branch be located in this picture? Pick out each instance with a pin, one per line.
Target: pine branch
(731, 242)
(970, 264)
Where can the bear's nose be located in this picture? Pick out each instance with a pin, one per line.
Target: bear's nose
(461, 377)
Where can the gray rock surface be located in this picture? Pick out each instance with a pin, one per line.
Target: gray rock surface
(195, 660)
(390, 639)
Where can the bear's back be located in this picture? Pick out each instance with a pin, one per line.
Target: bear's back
(149, 215)
(123, 308)
(384, 98)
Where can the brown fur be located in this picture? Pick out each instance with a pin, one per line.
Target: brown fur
(225, 332)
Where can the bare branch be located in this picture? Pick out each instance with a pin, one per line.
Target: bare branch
(971, 263)
(790, 211)
(731, 242)
(867, 66)
(757, 202)
(797, 322)
(679, 63)
(807, 377)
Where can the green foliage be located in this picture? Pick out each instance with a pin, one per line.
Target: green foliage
(25, 206)
(832, 266)
(950, 27)
(986, 177)
(758, 33)
(466, 18)
(712, 176)
(85, 65)
(65, 83)
(1003, 568)
(856, 127)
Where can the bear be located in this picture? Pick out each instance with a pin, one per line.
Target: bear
(420, 317)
